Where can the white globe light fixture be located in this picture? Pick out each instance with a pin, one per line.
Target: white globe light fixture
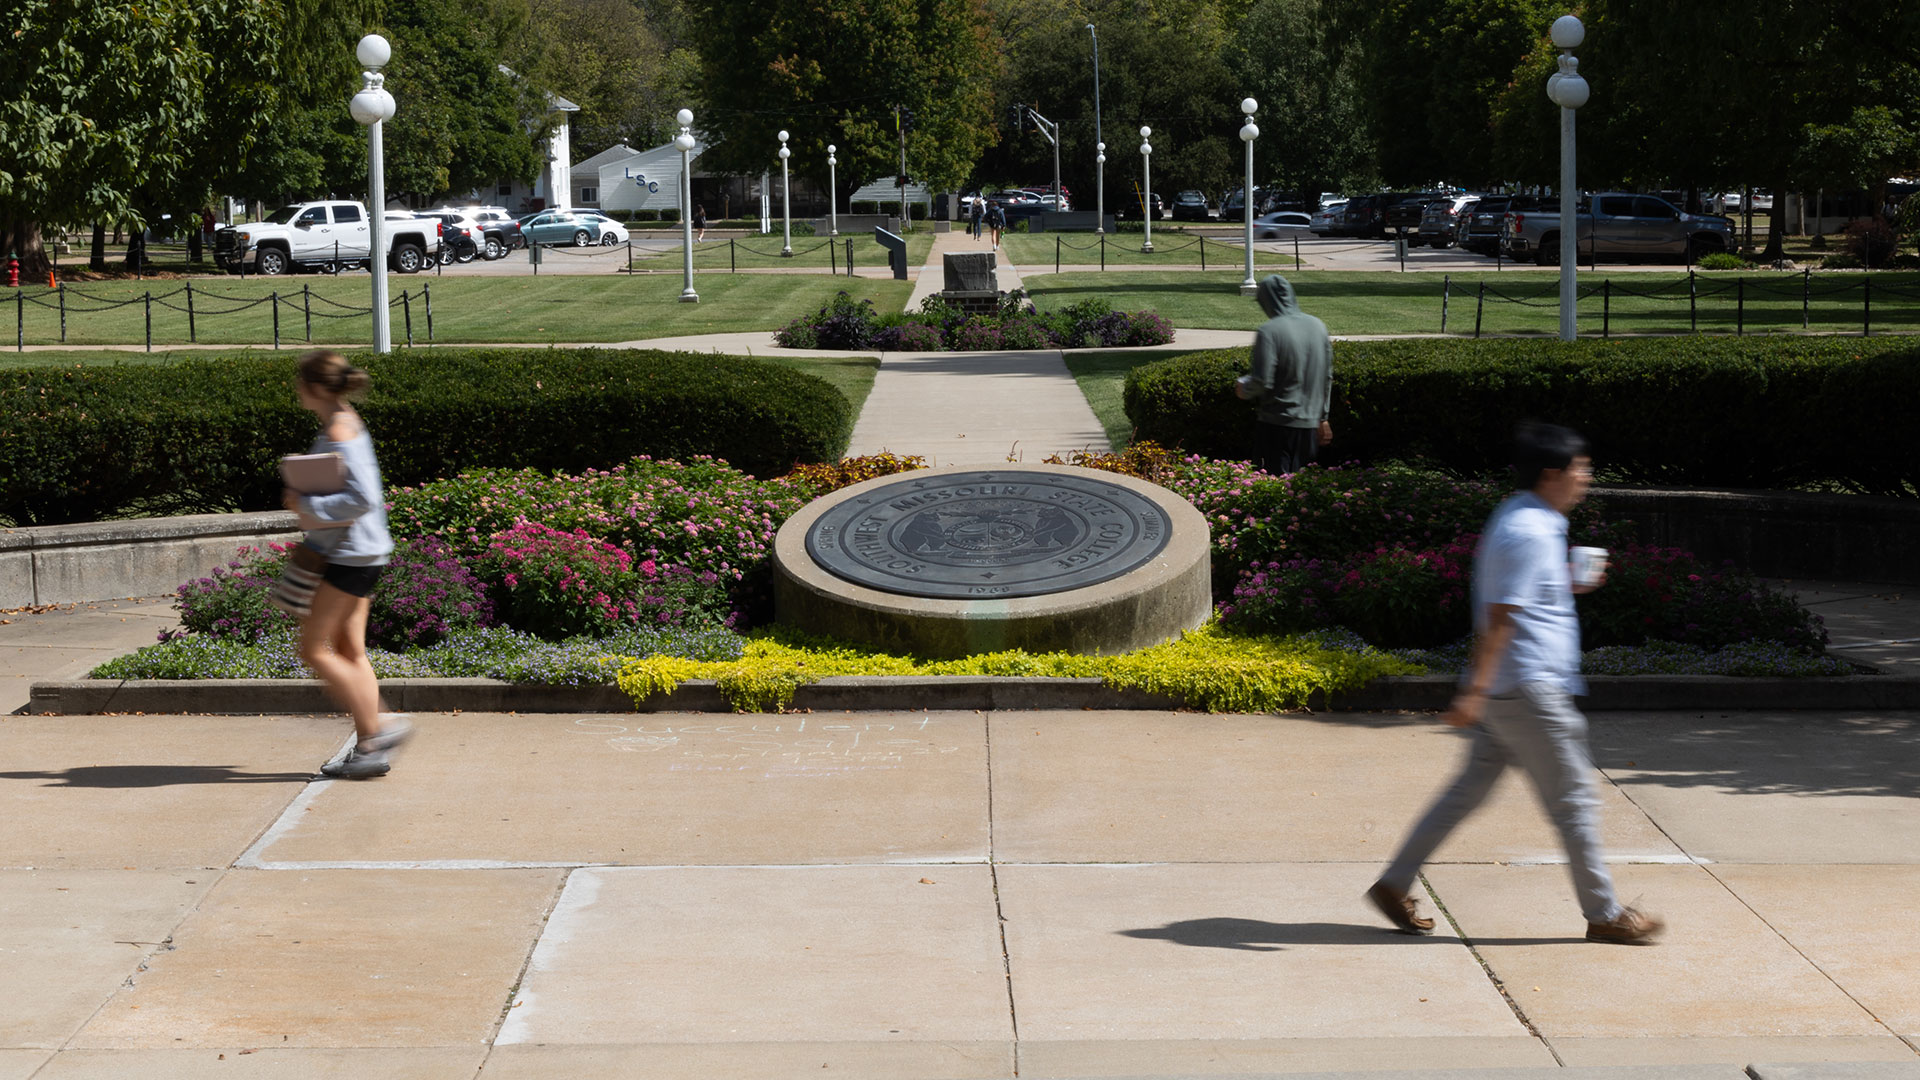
(1249, 131)
(1100, 189)
(371, 108)
(1567, 89)
(1146, 182)
(684, 142)
(833, 193)
(786, 203)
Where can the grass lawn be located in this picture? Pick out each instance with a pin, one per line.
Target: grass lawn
(1102, 377)
(1123, 249)
(760, 252)
(1355, 302)
(555, 309)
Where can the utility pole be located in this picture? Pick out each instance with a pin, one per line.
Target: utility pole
(1051, 131)
(903, 120)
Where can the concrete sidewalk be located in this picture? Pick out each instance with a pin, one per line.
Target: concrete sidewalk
(937, 895)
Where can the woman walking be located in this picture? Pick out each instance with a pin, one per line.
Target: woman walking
(348, 528)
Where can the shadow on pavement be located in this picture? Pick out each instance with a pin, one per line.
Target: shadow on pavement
(152, 776)
(1254, 935)
(1807, 754)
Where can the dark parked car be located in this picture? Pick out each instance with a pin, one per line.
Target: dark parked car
(1190, 206)
(1130, 208)
(1479, 229)
(1439, 221)
(1365, 216)
(1403, 214)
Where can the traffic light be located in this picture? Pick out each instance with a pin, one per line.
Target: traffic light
(1016, 114)
(906, 120)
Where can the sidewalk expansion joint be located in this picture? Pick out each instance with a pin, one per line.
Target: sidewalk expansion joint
(1499, 984)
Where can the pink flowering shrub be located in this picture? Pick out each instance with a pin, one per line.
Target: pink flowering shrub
(559, 584)
(1666, 594)
(1393, 596)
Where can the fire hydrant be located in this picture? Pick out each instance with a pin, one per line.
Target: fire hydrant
(13, 270)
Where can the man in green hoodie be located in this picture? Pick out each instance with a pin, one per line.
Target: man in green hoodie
(1292, 381)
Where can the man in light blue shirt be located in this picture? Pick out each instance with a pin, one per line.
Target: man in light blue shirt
(1517, 692)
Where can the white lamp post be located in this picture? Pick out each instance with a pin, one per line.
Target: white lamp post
(1249, 132)
(1568, 90)
(1146, 179)
(1100, 188)
(786, 204)
(684, 143)
(1100, 146)
(833, 193)
(371, 107)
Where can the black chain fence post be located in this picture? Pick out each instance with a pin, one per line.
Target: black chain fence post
(1203, 253)
(1103, 251)
(149, 300)
(406, 312)
(1606, 309)
(273, 301)
(733, 262)
(63, 315)
(193, 332)
(1446, 291)
(1866, 307)
(1479, 307)
(1056, 254)
(849, 256)
(426, 297)
(20, 322)
(1806, 294)
(1296, 254)
(306, 307)
(1693, 302)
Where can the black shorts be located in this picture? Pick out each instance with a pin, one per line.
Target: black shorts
(352, 580)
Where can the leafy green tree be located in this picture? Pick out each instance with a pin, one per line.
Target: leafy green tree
(1161, 66)
(1430, 71)
(610, 58)
(112, 110)
(1312, 131)
(833, 71)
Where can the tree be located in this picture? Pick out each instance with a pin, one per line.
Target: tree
(1312, 131)
(833, 71)
(113, 109)
(1160, 67)
(1431, 70)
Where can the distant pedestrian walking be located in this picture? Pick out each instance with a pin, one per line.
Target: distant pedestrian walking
(1291, 384)
(347, 545)
(996, 221)
(975, 214)
(1517, 692)
(699, 222)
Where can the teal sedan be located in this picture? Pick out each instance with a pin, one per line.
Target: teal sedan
(560, 227)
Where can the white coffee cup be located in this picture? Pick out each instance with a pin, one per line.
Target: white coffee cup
(1589, 565)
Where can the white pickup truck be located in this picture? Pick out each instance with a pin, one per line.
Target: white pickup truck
(328, 236)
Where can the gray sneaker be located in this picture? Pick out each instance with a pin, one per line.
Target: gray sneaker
(397, 731)
(358, 765)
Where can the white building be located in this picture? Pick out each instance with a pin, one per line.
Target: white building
(622, 178)
(550, 188)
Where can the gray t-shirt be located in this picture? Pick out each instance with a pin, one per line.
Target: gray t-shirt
(362, 539)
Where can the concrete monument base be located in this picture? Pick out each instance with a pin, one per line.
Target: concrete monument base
(957, 561)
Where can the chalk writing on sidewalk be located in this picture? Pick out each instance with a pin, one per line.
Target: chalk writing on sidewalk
(801, 747)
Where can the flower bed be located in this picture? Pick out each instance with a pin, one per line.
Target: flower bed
(1017, 324)
(657, 571)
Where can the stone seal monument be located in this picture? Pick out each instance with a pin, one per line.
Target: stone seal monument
(947, 562)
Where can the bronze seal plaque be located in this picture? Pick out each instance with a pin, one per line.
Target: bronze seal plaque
(988, 534)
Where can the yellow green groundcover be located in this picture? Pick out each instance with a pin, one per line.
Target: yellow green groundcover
(1208, 669)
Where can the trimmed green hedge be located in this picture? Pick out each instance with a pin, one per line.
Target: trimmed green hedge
(85, 443)
(1707, 411)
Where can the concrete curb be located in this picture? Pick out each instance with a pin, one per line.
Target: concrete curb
(933, 693)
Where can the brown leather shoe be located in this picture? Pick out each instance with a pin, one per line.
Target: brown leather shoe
(1630, 927)
(1399, 908)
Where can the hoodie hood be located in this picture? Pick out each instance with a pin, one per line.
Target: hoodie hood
(1276, 296)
